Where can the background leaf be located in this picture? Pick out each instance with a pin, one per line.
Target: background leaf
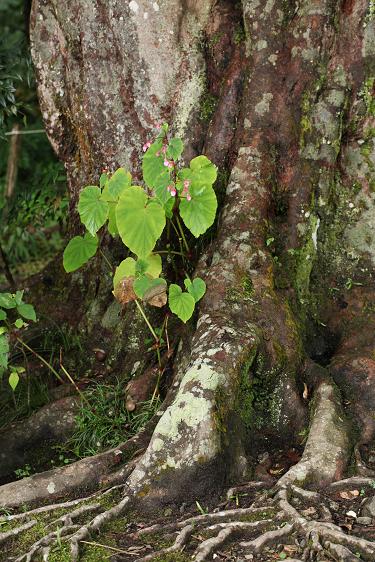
(7, 300)
(27, 311)
(13, 380)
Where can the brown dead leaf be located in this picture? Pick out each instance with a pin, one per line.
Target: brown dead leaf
(156, 296)
(349, 494)
(124, 291)
(290, 549)
(276, 469)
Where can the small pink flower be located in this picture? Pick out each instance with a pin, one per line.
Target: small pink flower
(186, 184)
(158, 125)
(166, 163)
(173, 192)
(170, 165)
(188, 197)
(170, 187)
(146, 146)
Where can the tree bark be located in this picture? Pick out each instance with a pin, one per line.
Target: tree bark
(289, 273)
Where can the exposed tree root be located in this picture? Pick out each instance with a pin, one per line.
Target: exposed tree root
(182, 538)
(226, 531)
(270, 537)
(281, 521)
(17, 531)
(327, 449)
(53, 422)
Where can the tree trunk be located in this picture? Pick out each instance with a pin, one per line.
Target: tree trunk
(279, 96)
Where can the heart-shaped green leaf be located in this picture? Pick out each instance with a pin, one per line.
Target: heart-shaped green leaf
(92, 209)
(175, 149)
(197, 288)
(145, 284)
(19, 323)
(125, 269)
(116, 185)
(199, 213)
(3, 314)
(27, 311)
(79, 251)
(140, 221)
(151, 265)
(13, 379)
(112, 224)
(205, 171)
(181, 304)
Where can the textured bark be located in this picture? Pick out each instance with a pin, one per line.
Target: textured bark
(290, 271)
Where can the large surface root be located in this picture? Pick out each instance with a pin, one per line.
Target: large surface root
(54, 422)
(327, 449)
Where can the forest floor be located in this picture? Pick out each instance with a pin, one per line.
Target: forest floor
(246, 523)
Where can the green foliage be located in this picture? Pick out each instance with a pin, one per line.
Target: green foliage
(140, 215)
(181, 304)
(105, 422)
(16, 76)
(79, 250)
(140, 221)
(92, 209)
(31, 215)
(12, 305)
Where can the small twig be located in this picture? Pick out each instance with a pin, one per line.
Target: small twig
(106, 260)
(105, 546)
(40, 359)
(182, 234)
(34, 131)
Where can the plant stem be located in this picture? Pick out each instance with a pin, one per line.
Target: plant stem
(106, 260)
(40, 359)
(74, 384)
(170, 252)
(105, 546)
(151, 330)
(182, 234)
(147, 320)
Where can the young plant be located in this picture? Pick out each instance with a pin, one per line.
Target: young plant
(8, 328)
(171, 195)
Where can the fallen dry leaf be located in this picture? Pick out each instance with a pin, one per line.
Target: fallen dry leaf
(349, 494)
